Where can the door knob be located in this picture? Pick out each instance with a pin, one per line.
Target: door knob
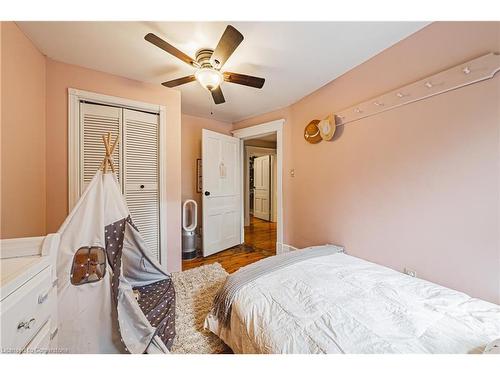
(207, 193)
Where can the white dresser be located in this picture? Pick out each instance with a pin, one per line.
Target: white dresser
(28, 295)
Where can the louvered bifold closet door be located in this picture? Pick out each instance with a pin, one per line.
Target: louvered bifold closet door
(141, 169)
(96, 121)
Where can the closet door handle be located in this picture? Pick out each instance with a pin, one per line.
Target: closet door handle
(207, 193)
(142, 186)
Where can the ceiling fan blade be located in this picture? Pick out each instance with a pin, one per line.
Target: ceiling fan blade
(243, 79)
(167, 47)
(228, 42)
(179, 81)
(218, 96)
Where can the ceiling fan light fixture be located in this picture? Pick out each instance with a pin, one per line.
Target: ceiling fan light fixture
(208, 64)
(209, 78)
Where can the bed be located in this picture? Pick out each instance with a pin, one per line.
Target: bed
(342, 304)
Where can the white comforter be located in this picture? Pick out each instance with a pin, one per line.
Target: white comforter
(342, 304)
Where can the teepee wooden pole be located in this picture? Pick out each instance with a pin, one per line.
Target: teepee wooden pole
(111, 162)
(105, 170)
(109, 149)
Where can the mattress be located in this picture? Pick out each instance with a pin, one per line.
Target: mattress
(342, 304)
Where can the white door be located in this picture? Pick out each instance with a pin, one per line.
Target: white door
(136, 159)
(221, 192)
(141, 174)
(262, 191)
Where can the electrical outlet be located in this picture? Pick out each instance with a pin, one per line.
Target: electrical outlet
(410, 272)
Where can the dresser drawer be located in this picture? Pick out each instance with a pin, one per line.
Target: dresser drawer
(41, 342)
(25, 312)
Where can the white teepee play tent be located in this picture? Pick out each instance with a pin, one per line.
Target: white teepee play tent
(114, 297)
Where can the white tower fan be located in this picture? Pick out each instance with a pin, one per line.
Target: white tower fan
(189, 223)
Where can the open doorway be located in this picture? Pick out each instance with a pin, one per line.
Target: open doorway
(260, 193)
(230, 235)
(265, 139)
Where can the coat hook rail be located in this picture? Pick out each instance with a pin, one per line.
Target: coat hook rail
(468, 73)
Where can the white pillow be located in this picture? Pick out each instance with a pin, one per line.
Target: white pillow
(493, 347)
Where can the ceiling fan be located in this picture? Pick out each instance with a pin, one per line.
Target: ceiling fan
(209, 63)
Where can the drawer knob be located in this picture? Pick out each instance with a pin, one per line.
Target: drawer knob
(43, 298)
(26, 325)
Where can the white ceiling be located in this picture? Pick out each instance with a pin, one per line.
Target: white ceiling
(296, 58)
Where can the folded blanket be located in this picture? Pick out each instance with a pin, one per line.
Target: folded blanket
(225, 296)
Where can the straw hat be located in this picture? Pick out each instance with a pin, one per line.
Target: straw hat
(327, 128)
(311, 132)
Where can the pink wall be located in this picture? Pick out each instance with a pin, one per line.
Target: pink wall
(62, 76)
(191, 150)
(414, 187)
(23, 135)
(283, 113)
(35, 134)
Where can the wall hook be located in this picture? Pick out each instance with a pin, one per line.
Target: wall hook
(461, 75)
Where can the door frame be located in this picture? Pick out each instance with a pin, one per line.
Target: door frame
(75, 96)
(257, 131)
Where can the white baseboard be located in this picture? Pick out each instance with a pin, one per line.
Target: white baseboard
(282, 248)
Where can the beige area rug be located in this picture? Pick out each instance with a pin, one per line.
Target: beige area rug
(194, 292)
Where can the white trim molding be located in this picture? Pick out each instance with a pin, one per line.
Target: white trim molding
(285, 248)
(114, 100)
(255, 132)
(76, 96)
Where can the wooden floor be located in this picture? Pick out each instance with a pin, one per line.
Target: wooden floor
(260, 242)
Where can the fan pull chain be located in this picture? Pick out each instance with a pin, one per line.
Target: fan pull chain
(211, 103)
